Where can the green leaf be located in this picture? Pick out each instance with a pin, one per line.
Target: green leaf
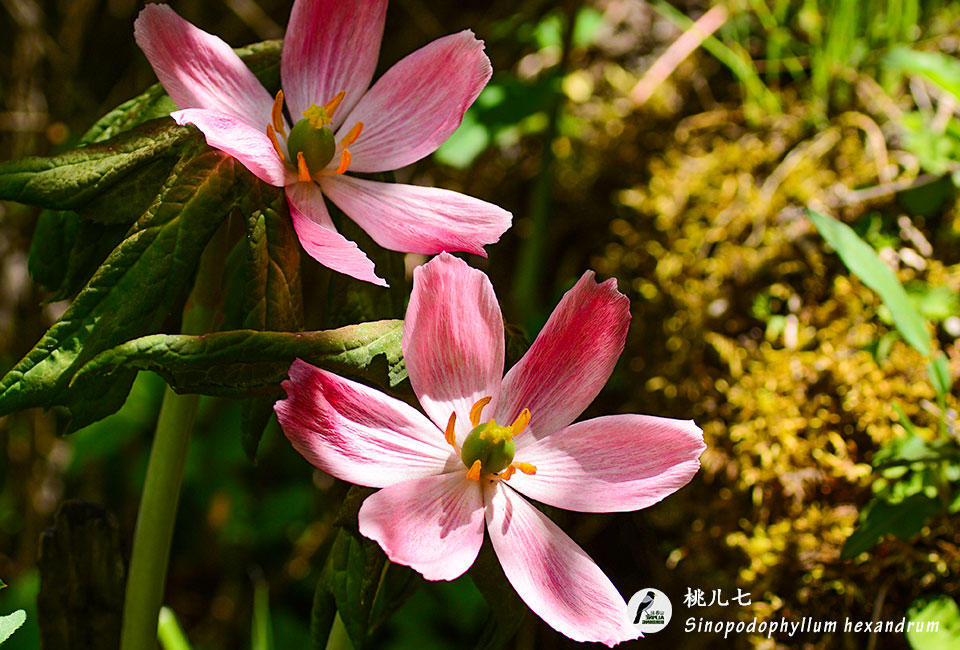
(273, 297)
(358, 581)
(354, 571)
(56, 242)
(81, 178)
(880, 518)
(936, 624)
(273, 300)
(11, 623)
(934, 303)
(245, 362)
(863, 262)
(938, 68)
(142, 279)
(939, 371)
(169, 632)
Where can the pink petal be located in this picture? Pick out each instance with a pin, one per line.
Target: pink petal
(553, 575)
(414, 219)
(415, 106)
(357, 433)
(433, 524)
(570, 360)
(453, 340)
(234, 136)
(320, 238)
(197, 69)
(330, 45)
(616, 463)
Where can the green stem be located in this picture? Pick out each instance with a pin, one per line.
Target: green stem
(168, 457)
(527, 293)
(339, 639)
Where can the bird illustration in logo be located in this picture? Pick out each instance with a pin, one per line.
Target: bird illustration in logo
(644, 605)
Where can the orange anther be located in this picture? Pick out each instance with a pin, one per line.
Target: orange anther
(278, 113)
(302, 168)
(276, 143)
(331, 106)
(526, 468)
(507, 473)
(344, 161)
(476, 409)
(474, 472)
(521, 422)
(451, 433)
(352, 135)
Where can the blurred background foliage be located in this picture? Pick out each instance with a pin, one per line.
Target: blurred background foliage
(685, 177)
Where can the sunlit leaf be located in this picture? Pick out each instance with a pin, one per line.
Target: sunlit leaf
(939, 372)
(169, 633)
(940, 69)
(245, 362)
(936, 624)
(863, 262)
(11, 623)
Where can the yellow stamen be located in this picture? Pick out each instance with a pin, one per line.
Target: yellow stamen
(507, 473)
(302, 167)
(521, 422)
(331, 106)
(278, 113)
(474, 472)
(344, 161)
(352, 135)
(526, 468)
(276, 143)
(477, 409)
(451, 434)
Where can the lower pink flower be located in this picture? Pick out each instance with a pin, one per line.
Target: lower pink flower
(447, 475)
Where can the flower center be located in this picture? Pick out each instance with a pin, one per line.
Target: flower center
(489, 447)
(311, 144)
(311, 139)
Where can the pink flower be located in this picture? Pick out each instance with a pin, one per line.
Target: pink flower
(441, 481)
(329, 56)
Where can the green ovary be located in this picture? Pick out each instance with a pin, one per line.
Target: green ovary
(316, 144)
(492, 445)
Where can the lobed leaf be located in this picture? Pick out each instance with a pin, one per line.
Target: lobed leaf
(76, 178)
(273, 301)
(61, 258)
(138, 285)
(245, 362)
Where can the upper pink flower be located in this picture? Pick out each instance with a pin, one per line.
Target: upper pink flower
(328, 59)
(430, 513)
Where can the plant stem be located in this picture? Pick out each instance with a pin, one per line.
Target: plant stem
(168, 457)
